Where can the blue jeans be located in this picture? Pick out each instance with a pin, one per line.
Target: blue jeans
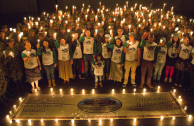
(49, 71)
(98, 79)
(158, 70)
(88, 59)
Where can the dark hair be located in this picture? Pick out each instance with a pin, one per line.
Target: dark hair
(49, 46)
(99, 54)
(188, 38)
(120, 40)
(120, 28)
(177, 43)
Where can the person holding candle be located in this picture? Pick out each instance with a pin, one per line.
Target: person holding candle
(65, 59)
(160, 59)
(89, 50)
(32, 66)
(98, 65)
(120, 35)
(132, 58)
(183, 63)
(77, 56)
(172, 55)
(116, 71)
(149, 49)
(106, 54)
(49, 60)
(13, 68)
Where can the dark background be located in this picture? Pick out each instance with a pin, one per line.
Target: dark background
(13, 11)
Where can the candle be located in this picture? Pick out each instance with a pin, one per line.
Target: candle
(71, 91)
(10, 29)
(66, 7)
(25, 18)
(51, 21)
(93, 91)
(56, 6)
(113, 91)
(51, 90)
(68, 30)
(123, 91)
(11, 54)
(38, 41)
(96, 31)
(55, 35)
(83, 92)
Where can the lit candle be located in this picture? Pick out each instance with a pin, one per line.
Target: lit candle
(71, 91)
(93, 91)
(51, 90)
(113, 91)
(56, 6)
(72, 121)
(123, 91)
(61, 91)
(55, 35)
(11, 54)
(38, 41)
(68, 30)
(51, 21)
(17, 121)
(161, 118)
(20, 99)
(29, 121)
(83, 92)
(173, 118)
(96, 31)
(25, 18)
(10, 29)
(56, 120)
(14, 30)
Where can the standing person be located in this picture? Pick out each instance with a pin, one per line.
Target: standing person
(120, 35)
(132, 58)
(49, 60)
(160, 59)
(172, 55)
(13, 65)
(89, 50)
(65, 60)
(183, 63)
(191, 70)
(98, 65)
(32, 66)
(149, 48)
(116, 71)
(77, 56)
(106, 54)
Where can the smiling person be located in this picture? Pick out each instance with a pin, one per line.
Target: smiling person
(149, 48)
(49, 60)
(132, 58)
(32, 66)
(65, 59)
(116, 71)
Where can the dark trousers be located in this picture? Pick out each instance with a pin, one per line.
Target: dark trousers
(146, 66)
(88, 59)
(107, 66)
(77, 62)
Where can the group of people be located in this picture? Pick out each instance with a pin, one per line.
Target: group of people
(106, 44)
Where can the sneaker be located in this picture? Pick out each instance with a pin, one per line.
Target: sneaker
(175, 84)
(38, 88)
(124, 85)
(170, 80)
(133, 82)
(134, 85)
(100, 84)
(80, 77)
(165, 80)
(96, 85)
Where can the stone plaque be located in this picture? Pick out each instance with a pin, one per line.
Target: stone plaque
(94, 106)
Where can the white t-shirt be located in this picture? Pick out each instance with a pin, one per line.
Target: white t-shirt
(117, 53)
(105, 53)
(149, 51)
(99, 70)
(88, 45)
(63, 52)
(132, 54)
(78, 52)
(173, 51)
(161, 57)
(32, 62)
(185, 51)
(47, 57)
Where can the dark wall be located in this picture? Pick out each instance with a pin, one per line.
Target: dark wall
(15, 10)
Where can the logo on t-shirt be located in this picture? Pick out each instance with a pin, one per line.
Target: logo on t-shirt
(118, 51)
(65, 50)
(88, 42)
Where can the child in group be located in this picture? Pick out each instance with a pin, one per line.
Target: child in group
(150, 48)
(172, 54)
(49, 60)
(106, 54)
(89, 50)
(98, 65)
(132, 58)
(116, 71)
(160, 59)
(32, 66)
(65, 60)
(183, 63)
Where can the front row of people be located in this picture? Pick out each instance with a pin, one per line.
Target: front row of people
(112, 59)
